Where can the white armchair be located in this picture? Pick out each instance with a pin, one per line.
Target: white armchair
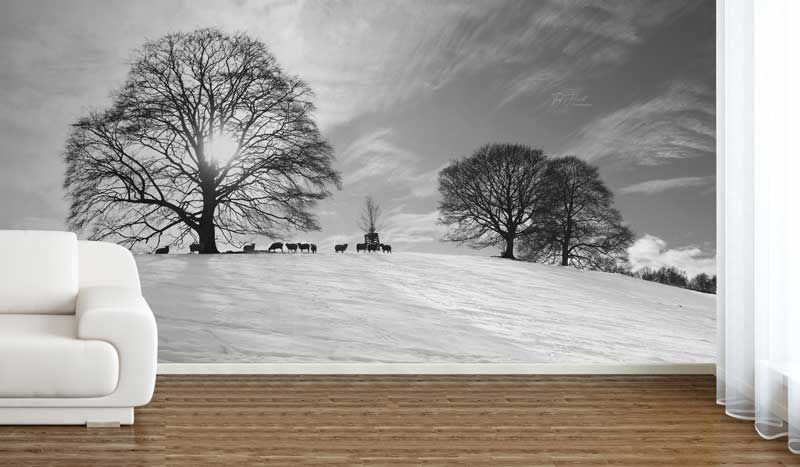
(78, 343)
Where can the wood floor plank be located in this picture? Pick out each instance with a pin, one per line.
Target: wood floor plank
(515, 420)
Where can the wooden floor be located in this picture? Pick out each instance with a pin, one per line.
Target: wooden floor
(408, 420)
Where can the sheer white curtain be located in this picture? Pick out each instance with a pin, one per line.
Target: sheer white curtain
(758, 195)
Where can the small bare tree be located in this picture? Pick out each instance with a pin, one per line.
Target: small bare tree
(492, 197)
(371, 214)
(207, 135)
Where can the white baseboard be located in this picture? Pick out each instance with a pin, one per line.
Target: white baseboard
(436, 368)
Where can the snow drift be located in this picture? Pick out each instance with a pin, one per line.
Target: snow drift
(416, 307)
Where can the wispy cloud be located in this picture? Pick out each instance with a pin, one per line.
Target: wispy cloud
(576, 38)
(677, 124)
(414, 48)
(539, 81)
(370, 56)
(652, 252)
(415, 228)
(658, 186)
(374, 155)
(375, 158)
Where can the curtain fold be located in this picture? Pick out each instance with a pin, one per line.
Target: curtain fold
(758, 206)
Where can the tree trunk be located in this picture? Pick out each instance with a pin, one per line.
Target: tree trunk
(566, 241)
(207, 231)
(509, 251)
(208, 237)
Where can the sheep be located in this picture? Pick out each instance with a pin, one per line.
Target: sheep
(162, 251)
(276, 246)
(194, 248)
(340, 248)
(249, 248)
(386, 248)
(313, 248)
(304, 247)
(361, 247)
(292, 247)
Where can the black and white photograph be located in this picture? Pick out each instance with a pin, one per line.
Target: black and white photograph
(399, 181)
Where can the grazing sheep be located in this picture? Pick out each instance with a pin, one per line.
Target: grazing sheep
(249, 248)
(162, 251)
(194, 248)
(340, 248)
(313, 248)
(386, 248)
(276, 246)
(292, 247)
(361, 247)
(304, 247)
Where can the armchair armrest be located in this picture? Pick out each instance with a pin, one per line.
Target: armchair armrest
(121, 317)
(106, 264)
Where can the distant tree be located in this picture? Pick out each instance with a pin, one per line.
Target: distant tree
(667, 275)
(579, 225)
(208, 134)
(622, 267)
(703, 283)
(648, 274)
(371, 216)
(673, 276)
(493, 196)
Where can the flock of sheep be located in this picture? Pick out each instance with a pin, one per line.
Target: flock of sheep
(278, 246)
(292, 248)
(364, 247)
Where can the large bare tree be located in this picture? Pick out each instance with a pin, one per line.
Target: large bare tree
(207, 135)
(492, 197)
(579, 225)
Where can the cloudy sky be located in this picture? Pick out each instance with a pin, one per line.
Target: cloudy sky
(402, 88)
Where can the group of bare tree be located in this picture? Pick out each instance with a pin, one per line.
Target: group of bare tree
(670, 275)
(550, 210)
(207, 136)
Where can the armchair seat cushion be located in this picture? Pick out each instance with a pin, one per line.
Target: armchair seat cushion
(42, 357)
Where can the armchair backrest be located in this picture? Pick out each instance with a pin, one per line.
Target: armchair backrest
(38, 272)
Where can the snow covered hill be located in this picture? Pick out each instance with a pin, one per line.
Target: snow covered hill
(415, 307)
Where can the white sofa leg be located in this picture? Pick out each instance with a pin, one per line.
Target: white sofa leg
(93, 424)
(89, 416)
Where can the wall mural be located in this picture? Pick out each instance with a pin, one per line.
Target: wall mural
(400, 181)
